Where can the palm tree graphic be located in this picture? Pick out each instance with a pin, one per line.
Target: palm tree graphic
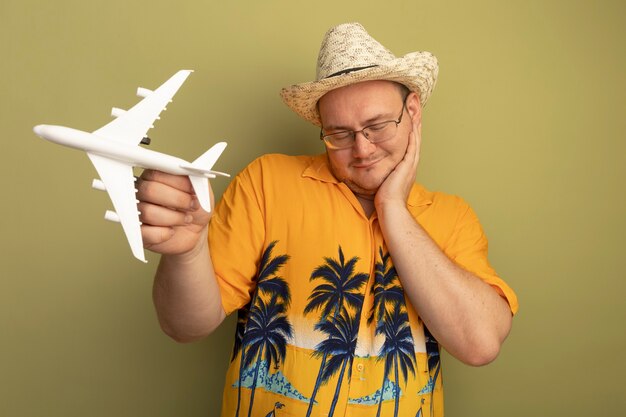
(272, 413)
(434, 364)
(386, 289)
(242, 318)
(266, 337)
(419, 412)
(398, 350)
(342, 334)
(339, 290)
(389, 310)
(268, 285)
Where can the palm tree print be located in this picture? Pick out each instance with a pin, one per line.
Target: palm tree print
(386, 289)
(389, 310)
(242, 318)
(339, 290)
(266, 337)
(398, 350)
(342, 334)
(434, 363)
(277, 405)
(419, 412)
(432, 350)
(268, 285)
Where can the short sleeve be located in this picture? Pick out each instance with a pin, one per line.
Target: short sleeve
(236, 236)
(468, 247)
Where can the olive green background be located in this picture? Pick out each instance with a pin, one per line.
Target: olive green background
(526, 122)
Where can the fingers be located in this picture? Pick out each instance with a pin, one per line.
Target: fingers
(166, 190)
(408, 161)
(168, 200)
(171, 216)
(415, 143)
(171, 240)
(155, 215)
(153, 236)
(179, 182)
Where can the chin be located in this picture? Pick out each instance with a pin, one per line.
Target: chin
(363, 187)
(362, 183)
(371, 180)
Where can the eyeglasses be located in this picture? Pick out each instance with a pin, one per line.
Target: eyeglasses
(376, 133)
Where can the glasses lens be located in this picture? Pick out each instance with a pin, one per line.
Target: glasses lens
(339, 140)
(380, 132)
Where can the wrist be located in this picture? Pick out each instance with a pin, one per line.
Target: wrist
(199, 250)
(390, 207)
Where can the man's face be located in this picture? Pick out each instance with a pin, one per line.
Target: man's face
(365, 165)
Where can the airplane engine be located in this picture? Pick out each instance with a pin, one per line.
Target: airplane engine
(98, 185)
(143, 92)
(117, 112)
(111, 216)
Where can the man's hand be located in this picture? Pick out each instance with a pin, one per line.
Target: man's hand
(397, 186)
(185, 293)
(464, 313)
(173, 221)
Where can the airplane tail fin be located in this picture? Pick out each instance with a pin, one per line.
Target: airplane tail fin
(202, 166)
(210, 157)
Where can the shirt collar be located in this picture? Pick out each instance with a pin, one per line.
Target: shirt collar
(318, 169)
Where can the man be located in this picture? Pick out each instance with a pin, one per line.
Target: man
(346, 275)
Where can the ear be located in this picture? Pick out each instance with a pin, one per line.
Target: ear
(414, 107)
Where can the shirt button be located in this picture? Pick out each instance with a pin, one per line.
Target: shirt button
(360, 367)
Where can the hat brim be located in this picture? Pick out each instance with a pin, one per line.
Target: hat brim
(416, 70)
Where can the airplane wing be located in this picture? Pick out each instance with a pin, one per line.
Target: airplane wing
(119, 181)
(131, 126)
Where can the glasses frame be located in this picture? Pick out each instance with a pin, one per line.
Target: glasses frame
(353, 133)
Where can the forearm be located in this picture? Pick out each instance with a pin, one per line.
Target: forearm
(186, 295)
(466, 315)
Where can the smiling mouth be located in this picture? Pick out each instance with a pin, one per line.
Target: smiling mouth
(365, 164)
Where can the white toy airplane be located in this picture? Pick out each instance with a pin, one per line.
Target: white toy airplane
(114, 150)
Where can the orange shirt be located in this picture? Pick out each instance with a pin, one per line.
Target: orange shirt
(324, 327)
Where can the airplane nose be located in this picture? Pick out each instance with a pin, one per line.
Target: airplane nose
(39, 129)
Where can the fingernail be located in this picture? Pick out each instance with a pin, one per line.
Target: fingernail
(194, 204)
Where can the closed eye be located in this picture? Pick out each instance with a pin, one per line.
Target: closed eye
(342, 135)
(379, 126)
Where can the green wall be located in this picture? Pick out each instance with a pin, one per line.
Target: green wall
(527, 123)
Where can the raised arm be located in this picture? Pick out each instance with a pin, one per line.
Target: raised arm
(465, 314)
(185, 292)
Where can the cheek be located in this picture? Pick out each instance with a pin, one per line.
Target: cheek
(400, 149)
(338, 163)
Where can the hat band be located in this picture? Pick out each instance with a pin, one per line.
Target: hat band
(346, 71)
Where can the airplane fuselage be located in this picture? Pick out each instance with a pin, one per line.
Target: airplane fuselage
(114, 150)
(131, 154)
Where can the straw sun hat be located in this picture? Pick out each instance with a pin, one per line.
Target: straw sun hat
(349, 55)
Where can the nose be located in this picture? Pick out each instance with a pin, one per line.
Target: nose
(362, 146)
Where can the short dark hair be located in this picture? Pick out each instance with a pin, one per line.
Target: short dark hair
(404, 90)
